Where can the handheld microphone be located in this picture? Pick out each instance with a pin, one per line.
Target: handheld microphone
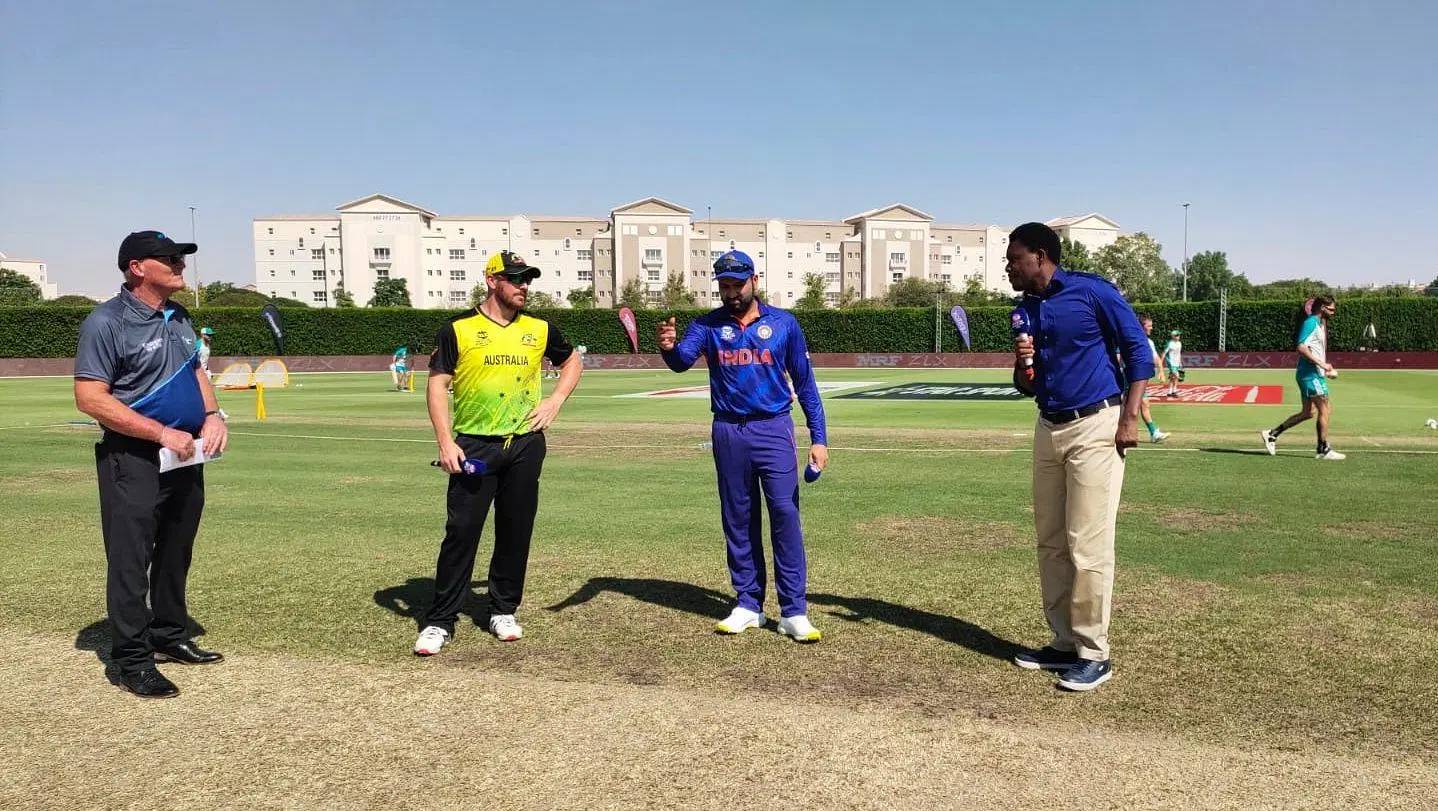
(1020, 325)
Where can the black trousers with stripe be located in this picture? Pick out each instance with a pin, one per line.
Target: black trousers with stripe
(149, 520)
(511, 484)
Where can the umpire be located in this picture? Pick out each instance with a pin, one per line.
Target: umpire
(1085, 424)
(138, 374)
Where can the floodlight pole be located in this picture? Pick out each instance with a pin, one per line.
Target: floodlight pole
(194, 259)
(1185, 251)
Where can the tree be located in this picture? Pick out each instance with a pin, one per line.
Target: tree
(540, 300)
(71, 301)
(1292, 289)
(342, 297)
(676, 294)
(1135, 263)
(17, 290)
(813, 298)
(633, 295)
(848, 297)
(1075, 256)
(478, 294)
(976, 295)
(914, 293)
(390, 293)
(582, 298)
(1432, 289)
(1208, 273)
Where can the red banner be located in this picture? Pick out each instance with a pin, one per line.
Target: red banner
(1224, 395)
(626, 317)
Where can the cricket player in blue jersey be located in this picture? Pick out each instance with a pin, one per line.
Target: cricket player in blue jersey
(749, 347)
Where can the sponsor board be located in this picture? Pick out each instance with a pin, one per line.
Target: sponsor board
(1224, 395)
(702, 392)
(940, 391)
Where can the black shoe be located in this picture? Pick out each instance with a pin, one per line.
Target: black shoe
(149, 683)
(187, 653)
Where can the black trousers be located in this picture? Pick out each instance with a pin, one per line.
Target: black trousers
(149, 521)
(511, 484)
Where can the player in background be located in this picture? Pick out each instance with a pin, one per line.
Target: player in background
(399, 369)
(1173, 361)
(1154, 434)
(1313, 373)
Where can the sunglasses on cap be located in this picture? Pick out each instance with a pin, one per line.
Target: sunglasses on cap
(729, 264)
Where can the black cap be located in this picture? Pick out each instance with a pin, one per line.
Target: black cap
(145, 244)
(512, 266)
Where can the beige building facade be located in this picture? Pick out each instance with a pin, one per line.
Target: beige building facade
(442, 257)
(35, 271)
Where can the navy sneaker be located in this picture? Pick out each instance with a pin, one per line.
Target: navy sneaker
(1046, 658)
(1086, 675)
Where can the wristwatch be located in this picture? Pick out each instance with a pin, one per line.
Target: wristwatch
(219, 412)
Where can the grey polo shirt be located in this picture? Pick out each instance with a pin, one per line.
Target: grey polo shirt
(147, 356)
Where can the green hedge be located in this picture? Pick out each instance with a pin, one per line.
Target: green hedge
(1403, 324)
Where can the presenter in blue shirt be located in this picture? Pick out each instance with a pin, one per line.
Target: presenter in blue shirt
(749, 348)
(1085, 425)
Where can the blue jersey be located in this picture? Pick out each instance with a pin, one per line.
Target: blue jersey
(747, 366)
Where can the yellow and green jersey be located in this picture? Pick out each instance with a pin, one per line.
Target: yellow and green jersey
(496, 369)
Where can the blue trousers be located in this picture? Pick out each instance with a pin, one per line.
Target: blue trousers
(754, 457)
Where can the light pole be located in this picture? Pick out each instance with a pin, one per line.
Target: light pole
(194, 263)
(1185, 251)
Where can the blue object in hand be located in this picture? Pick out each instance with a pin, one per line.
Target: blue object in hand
(472, 467)
(811, 472)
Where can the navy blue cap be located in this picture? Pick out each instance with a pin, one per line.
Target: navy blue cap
(733, 265)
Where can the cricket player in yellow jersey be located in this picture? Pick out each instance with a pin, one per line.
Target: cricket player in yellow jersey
(494, 449)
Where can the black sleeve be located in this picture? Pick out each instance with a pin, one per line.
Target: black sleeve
(556, 348)
(446, 351)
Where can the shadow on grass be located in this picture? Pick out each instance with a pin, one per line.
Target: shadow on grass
(949, 629)
(97, 638)
(413, 599)
(685, 597)
(1239, 451)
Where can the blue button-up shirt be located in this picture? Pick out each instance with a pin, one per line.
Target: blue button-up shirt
(1078, 323)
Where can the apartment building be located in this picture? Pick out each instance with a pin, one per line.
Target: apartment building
(442, 257)
(34, 270)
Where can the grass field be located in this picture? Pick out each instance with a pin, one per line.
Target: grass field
(1273, 629)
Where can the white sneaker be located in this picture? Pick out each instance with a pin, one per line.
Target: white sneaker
(1331, 455)
(431, 639)
(1158, 436)
(505, 628)
(1270, 442)
(739, 621)
(799, 628)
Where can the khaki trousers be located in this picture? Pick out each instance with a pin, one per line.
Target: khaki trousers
(1078, 476)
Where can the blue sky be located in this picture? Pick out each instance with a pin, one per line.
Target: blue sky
(1303, 133)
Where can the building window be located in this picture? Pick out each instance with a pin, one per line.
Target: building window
(471, 242)
(828, 235)
(270, 230)
(788, 234)
(629, 230)
(714, 296)
(461, 232)
(458, 297)
(791, 254)
(456, 254)
(791, 274)
(586, 275)
(946, 259)
(653, 255)
(536, 232)
(456, 275)
(318, 275)
(292, 271)
(946, 278)
(504, 232)
(381, 254)
(317, 253)
(831, 257)
(312, 230)
(381, 273)
(877, 233)
(566, 243)
(831, 298)
(272, 273)
(302, 242)
(898, 258)
(321, 297)
(272, 251)
(898, 277)
(831, 278)
(761, 254)
(585, 254)
(715, 254)
(653, 275)
(536, 252)
(791, 294)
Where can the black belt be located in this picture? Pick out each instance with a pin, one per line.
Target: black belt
(1061, 417)
(740, 419)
